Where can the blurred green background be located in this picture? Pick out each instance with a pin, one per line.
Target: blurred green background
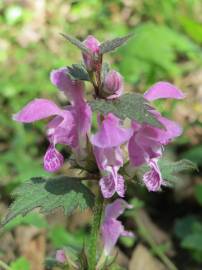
(166, 46)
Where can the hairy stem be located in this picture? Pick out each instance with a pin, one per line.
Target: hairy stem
(97, 215)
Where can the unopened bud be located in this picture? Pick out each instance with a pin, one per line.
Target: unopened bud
(60, 256)
(90, 60)
(113, 84)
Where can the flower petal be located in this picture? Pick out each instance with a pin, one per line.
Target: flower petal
(36, 110)
(63, 130)
(111, 134)
(115, 209)
(112, 183)
(172, 131)
(108, 157)
(73, 89)
(136, 153)
(111, 230)
(153, 179)
(163, 90)
(53, 160)
(107, 186)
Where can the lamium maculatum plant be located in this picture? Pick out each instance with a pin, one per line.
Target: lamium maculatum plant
(98, 151)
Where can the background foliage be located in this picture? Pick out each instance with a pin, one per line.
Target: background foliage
(166, 46)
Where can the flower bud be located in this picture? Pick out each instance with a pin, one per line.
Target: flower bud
(113, 84)
(61, 256)
(93, 45)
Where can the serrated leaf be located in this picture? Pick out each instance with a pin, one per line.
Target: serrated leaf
(170, 169)
(78, 72)
(65, 192)
(132, 106)
(76, 42)
(111, 45)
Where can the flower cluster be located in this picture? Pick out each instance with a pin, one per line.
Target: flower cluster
(71, 126)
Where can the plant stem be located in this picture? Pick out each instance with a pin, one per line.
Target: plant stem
(4, 265)
(97, 215)
(147, 236)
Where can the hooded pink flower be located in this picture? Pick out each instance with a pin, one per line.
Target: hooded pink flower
(112, 228)
(146, 144)
(111, 133)
(69, 126)
(108, 154)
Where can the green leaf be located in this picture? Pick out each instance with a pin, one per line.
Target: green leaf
(193, 241)
(154, 53)
(76, 42)
(60, 237)
(185, 226)
(198, 193)
(78, 72)
(170, 169)
(20, 264)
(132, 106)
(65, 192)
(194, 154)
(192, 28)
(111, 45)
(127, 241)
(33, 219)
(50, 263)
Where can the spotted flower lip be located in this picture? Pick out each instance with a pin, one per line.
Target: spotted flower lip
(109, 160)
(153, 178)
(112, 228)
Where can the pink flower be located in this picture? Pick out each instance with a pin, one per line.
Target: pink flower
(69, 125)
(111, 133)
(108, 154)
(153, 179)
(109, 160)
(112, 228)
(113, 84)
(73, 89)
(60, 256)
(91, 61)
(146, 144)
